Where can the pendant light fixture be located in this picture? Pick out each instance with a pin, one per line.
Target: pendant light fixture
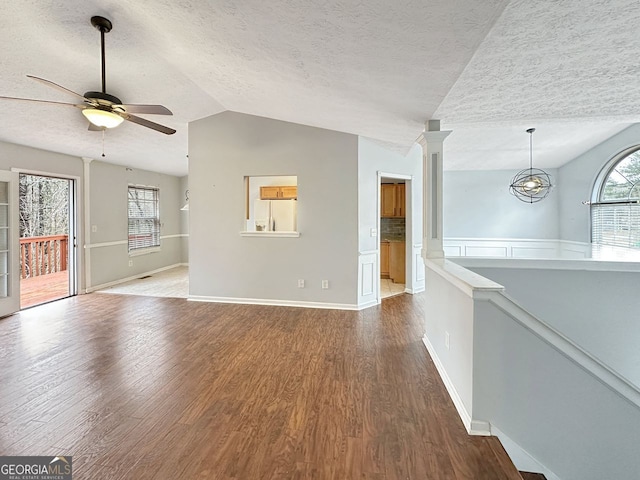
(531, 184)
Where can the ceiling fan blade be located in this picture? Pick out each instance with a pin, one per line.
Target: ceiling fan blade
(146, 109)
(147, 123)
(43, 101)
(58, 87)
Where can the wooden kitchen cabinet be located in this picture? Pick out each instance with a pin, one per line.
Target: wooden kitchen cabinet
(393, 261)
(289, 192)
(397, 262)
(393, 203)
(384, 259)
(286, 192)
(400, 200)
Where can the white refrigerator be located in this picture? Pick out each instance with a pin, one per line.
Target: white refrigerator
(275, 215)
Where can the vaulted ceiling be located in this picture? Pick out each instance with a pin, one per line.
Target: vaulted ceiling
(489, 70)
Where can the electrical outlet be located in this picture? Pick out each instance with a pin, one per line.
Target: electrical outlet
(373, 232)
(300, 283)
(131, 263)
(94, 228)
(446, 340)
(325, 284)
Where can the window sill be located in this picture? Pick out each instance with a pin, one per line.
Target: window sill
(143, 251)
(271, 234)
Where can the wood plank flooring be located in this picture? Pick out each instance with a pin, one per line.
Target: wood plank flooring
(161, 388)
(43, 288)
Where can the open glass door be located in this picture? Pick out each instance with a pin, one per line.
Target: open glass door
(9, 264)
(47, 238)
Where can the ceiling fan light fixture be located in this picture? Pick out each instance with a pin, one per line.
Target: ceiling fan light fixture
(102, 118)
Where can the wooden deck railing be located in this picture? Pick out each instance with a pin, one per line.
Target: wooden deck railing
(43, 255)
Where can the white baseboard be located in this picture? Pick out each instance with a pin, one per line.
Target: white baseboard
(369, 304)
(133, 277)
(520, 457)
(279, 303)
(474, 427)
(414, 291)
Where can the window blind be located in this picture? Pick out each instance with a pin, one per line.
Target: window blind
(616, 225)
(144, 218)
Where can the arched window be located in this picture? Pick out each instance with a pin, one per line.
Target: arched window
(615, 206)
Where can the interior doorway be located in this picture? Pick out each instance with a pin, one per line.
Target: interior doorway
(395, 234)
(46, 217)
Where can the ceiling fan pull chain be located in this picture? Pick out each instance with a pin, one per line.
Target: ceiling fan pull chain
(103, 131)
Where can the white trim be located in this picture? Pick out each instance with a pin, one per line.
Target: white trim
(394, 176)
(279, 303)
(125, 242)
(106, 244)
(469, 282)
(473, 427)
(133, 277)
(369, 304)
(520, 457)
(549, 264)
(368, 252)
(46, 174)
(414, 291)
(517, 248)
(86, 189)
(563, 345)
(175, 235)
(144, 251)
(271, 234)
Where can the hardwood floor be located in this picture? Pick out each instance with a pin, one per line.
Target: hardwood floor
(161, 388)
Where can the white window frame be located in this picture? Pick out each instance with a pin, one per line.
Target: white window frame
(625, 213)
(153, 245)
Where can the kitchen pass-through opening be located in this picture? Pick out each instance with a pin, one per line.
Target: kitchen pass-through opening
(271, 204)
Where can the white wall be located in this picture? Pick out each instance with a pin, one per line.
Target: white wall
(577, 178)
(108, 211)
(477, 204)
(108, 215)
(511, 374)
(565, 418)
(32, 159)
(450, 313)
(596, 309)
(226, 266)
(372, 159)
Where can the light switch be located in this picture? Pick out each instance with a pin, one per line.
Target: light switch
(374, 232)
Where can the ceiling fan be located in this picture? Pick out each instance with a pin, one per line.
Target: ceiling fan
(100, 108)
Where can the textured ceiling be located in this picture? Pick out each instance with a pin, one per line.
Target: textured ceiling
(568, 68)
(379, 68)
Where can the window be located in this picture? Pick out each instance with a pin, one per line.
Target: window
(144, 218)
(615, 213)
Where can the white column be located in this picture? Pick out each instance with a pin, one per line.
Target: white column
(432, 140)
(86, 190)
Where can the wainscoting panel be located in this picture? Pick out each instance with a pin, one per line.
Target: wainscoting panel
(516, 248)
(368, 279)
(418, 269)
